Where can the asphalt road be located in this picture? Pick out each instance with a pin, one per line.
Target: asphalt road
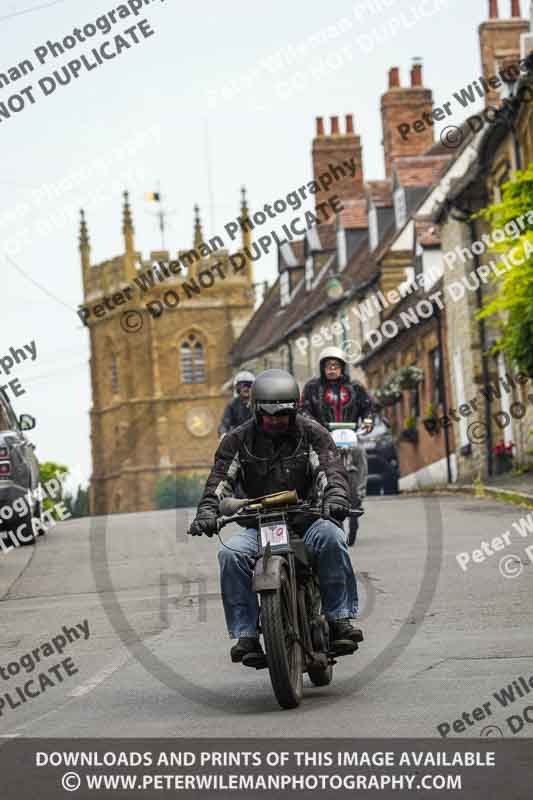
(439, 641)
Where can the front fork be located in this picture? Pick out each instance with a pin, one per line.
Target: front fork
(295, 592)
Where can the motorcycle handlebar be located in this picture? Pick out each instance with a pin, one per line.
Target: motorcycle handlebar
(240, 517)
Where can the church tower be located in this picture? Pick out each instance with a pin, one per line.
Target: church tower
(160, 330)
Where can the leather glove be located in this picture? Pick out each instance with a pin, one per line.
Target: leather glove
(204, 524)
(336, 509)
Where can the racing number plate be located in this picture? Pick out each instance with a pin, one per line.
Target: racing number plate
(274, 534)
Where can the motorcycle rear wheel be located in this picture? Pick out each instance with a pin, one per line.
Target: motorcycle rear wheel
(284, 654)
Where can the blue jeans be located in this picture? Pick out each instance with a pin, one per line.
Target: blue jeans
(326, 544)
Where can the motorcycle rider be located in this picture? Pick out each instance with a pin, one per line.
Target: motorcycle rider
(238, 411)
(276, 450)
(333, 397)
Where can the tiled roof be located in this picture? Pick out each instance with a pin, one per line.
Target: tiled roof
(270, 324)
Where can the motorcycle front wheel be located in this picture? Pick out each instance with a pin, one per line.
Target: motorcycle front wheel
(352, 530)
(284, 654)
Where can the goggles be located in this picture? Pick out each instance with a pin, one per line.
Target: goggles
(246, 384)
(276, 409)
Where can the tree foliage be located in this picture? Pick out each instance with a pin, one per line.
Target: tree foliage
(179, 491)
(78, 505)
(512, 307)
(47, 471)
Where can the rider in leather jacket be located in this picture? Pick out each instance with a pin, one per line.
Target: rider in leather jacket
(281, 449)
(238, 411)
(333, 397)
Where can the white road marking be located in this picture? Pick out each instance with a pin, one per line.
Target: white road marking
(80, 691)
(100, 677)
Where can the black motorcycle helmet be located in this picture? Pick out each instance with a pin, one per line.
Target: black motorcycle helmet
(275, 392)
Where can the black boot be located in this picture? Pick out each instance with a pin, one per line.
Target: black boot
(249, 652)
(344, 638)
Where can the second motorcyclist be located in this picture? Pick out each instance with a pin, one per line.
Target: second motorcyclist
(238, 411)
(333, 397)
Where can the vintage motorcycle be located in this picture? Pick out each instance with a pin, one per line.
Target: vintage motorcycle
(295, 632)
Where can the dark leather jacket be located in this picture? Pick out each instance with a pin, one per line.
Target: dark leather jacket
(250, 464)
(358, 407)
(235, 414)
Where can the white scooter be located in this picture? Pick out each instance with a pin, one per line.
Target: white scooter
(345, 437)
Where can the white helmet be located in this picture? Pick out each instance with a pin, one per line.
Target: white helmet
(244, 376)
(344, 437)
(332, 352)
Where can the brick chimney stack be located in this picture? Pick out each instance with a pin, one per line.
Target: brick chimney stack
(405, 104)
(416, 75)
(499, 42)
(329, 153)
(394, 77)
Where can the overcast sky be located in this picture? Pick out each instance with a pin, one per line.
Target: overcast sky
(214, 77)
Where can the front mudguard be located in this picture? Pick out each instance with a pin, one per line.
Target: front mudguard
(267, 576)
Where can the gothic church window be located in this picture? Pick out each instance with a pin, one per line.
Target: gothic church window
(192, 361)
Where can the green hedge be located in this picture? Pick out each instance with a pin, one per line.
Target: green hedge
(179, 491)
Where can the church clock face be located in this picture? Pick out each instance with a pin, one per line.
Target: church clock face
(199, 421)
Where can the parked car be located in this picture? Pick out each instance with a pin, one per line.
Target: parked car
(19, 471)
(383, 460)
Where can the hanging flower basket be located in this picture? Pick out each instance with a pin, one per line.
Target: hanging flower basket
(431, 421)
(409, 435)
(388, 395)
(431, 424)
(409, 432)
(409, 377)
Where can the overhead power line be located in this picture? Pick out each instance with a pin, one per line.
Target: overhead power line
(11, 263)
(29, 10)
